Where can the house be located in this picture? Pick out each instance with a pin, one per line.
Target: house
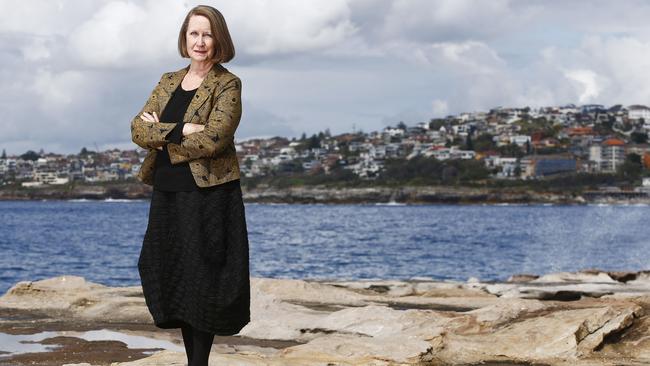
(506, 166)
(444, 153)
(519, 140)
(423, 125)
(440, 153)
(545, 165)
(593, 109)
(366, 168)
(636, 112)
(461, 130)
(392, 132)
(612, 152)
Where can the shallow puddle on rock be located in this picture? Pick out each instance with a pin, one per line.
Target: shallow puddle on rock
(131, 341)
(13, 344)
(25, 343)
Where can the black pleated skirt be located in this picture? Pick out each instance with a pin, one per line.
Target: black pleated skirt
(194, 264)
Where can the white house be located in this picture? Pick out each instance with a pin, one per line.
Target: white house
(636, 112)
(393, 131)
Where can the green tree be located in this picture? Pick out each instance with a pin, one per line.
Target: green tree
(639, 137)
(30, 155)
(469, 145)
(457, 141)
(450, 174)
(605, 127)
(436, 123)
(419, 167)
(427, 170)
(484, 142)
(471, 170)
(291, 166)
(512, 150)
(314, 142)
(631, 169)
(4, 154)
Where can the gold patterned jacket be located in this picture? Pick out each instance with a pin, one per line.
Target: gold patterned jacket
(210, 153)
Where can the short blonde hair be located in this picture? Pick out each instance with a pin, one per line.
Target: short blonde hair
(224, 50)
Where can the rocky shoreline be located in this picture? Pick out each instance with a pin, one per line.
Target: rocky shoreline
(317, 194)
(589, 317)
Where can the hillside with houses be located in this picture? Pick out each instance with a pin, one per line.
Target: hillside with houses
(593, 145)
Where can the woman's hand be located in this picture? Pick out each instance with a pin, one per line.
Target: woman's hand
(149, 117)
(190, 128)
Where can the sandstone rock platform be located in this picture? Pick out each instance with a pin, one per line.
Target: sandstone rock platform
(589, 317)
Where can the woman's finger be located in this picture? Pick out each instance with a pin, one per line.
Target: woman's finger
(147, 117)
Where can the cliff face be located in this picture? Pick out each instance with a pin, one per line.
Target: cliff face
(401, 195)
(77, 191)
(317, 194)
(583, 318)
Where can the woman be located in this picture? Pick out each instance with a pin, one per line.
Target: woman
(194, 260)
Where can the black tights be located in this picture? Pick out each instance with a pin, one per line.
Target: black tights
(197, 345)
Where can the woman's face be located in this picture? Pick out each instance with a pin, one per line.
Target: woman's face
(199, 39)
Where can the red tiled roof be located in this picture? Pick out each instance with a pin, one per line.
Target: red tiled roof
(580, 131)
(614, 142)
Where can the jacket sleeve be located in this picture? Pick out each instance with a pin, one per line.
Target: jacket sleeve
(150, 135)
(176, 134)
(219, 131)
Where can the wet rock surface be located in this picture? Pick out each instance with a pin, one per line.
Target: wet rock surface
(581, 318)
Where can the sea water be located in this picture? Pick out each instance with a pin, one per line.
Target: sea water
(101, 240)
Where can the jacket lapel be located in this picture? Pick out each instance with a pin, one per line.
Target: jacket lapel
(205, 90)
(169, 85)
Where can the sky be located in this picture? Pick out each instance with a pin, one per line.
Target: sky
(75, 72)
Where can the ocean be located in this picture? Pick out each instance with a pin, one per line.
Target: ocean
(101, 240)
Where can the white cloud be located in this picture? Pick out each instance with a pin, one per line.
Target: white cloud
(128, 34)
(35, 17)
(37, 50)
(451, 20)
(588, 86)
(59, 90)
(290, 26)
(439, 108)
(305, 66)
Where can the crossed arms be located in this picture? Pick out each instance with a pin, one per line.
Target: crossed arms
(217, 134)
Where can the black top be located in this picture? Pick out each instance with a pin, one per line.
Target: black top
(168, 176)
